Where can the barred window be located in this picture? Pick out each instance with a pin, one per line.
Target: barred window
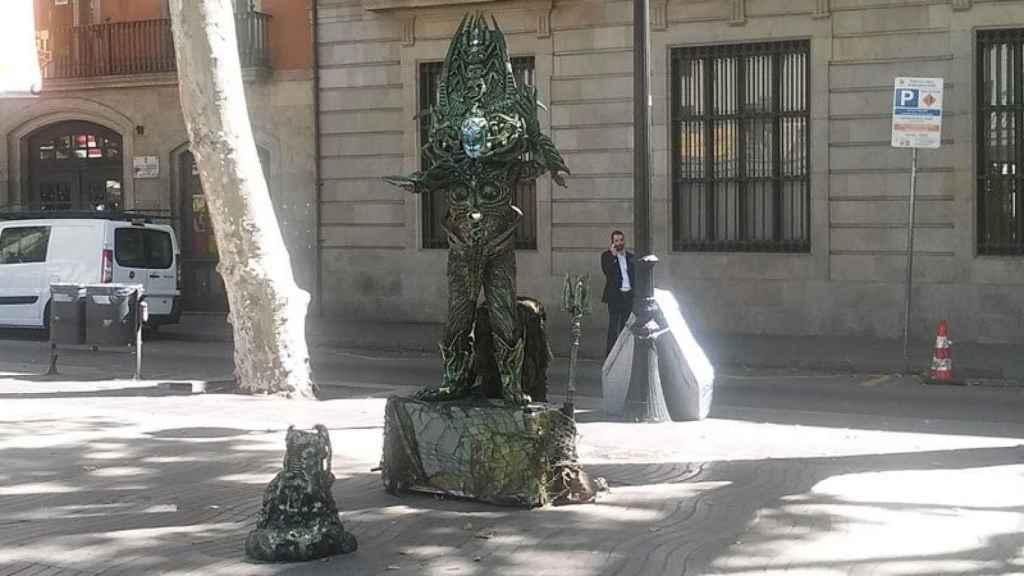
(741, 148)
(1000, 142)
(435, 205)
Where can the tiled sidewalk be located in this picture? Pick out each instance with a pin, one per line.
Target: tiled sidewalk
(114, 478)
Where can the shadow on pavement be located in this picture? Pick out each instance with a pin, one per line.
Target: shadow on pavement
(660, 518)
(184, 499)
(199, 432)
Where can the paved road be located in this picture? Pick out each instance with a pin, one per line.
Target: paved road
(870, 394)
(793, 474)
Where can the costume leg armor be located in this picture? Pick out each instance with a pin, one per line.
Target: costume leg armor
(500, 292)
(510, 369)
(457, 357)
(457, 348)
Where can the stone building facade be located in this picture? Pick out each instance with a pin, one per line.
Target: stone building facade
(780, 207)
(110, 99)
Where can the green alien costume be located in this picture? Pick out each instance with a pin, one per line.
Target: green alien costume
(484, 139)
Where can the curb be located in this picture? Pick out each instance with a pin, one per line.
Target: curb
(966, 376)
(970, 376)
(995, 383)
(219, 386)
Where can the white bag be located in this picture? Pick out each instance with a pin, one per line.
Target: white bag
(615, 372)
(687, 376)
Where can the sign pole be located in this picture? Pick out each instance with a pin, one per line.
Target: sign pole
(910, 262)
(916, 123)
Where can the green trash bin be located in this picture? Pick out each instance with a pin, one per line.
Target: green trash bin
(112, 314)
(67, 314)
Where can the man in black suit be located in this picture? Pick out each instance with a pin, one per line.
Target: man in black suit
(619, 280)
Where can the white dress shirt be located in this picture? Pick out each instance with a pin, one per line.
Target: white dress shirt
(626, 286)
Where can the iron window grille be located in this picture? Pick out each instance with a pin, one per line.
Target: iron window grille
(741, 148)
(1000, 142)
(435, 205)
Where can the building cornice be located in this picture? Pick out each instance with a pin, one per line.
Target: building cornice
(392, 5)
(136, 81)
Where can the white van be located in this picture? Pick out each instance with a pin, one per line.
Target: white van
(45, 248)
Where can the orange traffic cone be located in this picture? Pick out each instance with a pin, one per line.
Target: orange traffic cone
(942, 359)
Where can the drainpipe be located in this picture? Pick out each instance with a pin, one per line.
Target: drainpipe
(318, 281)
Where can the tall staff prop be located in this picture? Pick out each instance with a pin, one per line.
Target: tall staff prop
(575, 301)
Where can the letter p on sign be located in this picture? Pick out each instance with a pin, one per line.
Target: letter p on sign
(906, 98)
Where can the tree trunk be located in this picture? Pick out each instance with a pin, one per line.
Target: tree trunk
(268, 310)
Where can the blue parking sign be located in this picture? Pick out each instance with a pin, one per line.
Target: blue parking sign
(917, 113)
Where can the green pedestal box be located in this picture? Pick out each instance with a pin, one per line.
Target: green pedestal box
(487, 450)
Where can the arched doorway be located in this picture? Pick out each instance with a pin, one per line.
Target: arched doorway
(202, 287)
(75, 165)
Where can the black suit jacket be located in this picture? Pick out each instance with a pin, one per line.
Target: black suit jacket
(613, 276)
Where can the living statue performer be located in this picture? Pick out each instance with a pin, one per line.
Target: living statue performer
(484, 139)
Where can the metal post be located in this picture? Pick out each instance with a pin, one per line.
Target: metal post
(52, 370)
(138, 352)
(575, 301)
(141, 315)
(645, 401)
(642, 131)
(569, 409)
(910, 262)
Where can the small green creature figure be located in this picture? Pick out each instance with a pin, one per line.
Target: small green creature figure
(299, 518)
(484, 139)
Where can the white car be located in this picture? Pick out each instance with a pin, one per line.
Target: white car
(44, 248)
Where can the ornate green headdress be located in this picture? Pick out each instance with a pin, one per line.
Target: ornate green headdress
(483, 115)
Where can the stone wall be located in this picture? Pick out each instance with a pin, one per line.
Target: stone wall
(851, 281)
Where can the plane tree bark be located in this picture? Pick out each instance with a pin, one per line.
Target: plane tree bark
(268, 309)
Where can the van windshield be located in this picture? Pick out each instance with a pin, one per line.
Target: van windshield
(143, 248)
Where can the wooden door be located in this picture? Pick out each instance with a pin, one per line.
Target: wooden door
(202, 287)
